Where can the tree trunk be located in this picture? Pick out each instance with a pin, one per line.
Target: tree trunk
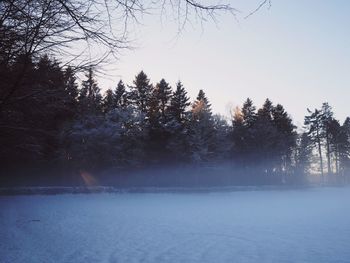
(328, 154)
(320, 154)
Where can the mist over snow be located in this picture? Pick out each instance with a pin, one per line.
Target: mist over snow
(310, 225)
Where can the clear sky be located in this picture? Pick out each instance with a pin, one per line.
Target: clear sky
(296, 53)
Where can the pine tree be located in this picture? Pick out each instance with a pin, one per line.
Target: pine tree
(116, 99)
(265, 113)
(163, 93)
(313, 123)
(179, 103)
(244, 143)
(95, 142)
(120, 95)
(221, 145)
(327, 118)
(201, 106)
(141, 92)
(341, 145)
(248, 113)
(303, 155)
(71, 88)
(89, 97)
(179, 143)
(108, 102)
(286, 137)
(263, 141)
(201, 129)
(31, 138)
(336, 136)
(159, 120)
(344, 150)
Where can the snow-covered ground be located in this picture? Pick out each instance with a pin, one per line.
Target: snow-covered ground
(309, 225)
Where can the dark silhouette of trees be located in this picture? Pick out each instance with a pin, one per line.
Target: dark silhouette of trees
(303, 155)
(89, 96)
(179, 103)
(80, 33)
(313, 123)
(30, 128)
(141, 91)
(264, 139)
(201, 129)
(120, 95)
(331, 139)
(61, 127)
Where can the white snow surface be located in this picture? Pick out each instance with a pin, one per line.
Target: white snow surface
(308, 225)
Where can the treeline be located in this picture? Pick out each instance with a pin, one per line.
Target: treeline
(51, 126)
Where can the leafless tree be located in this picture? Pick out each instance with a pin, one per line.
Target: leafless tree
(83, 33)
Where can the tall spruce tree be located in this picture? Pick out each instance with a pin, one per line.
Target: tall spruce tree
(141, 91)
(244, 120)
(178, 126)
(264, 137)
(120, 95)
(163, 93)
(71, 88)
(286, 135)
(238, 135)
(265, 113)
(248, 113)
(90, 98)
(179, 103)
(201, 129)
(159, 120)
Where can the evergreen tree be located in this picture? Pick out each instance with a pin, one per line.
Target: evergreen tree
(313, 123)
(201, 129)
(179, 103)
(178, 125)
(120, 95)
(286, 138)
(90, 98)
(265, 113)
(221, 145)
(337, 137)
(263, 142)
(244, 146)
(344, 151)
(29, 133)
(163, 93)
(96, 142)
(303, 155)
(159, 120)
(239, 136)
(248, 113)
(201, 106)
(71, 88)
(108, 102)
(327, 119)
(141, 92)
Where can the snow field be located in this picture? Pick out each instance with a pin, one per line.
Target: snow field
(310, 225)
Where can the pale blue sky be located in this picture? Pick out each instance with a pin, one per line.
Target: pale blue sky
(296, 53)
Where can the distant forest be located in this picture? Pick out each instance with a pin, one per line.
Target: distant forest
(54, 129)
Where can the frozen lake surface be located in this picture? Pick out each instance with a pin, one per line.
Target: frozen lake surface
(310, 225)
